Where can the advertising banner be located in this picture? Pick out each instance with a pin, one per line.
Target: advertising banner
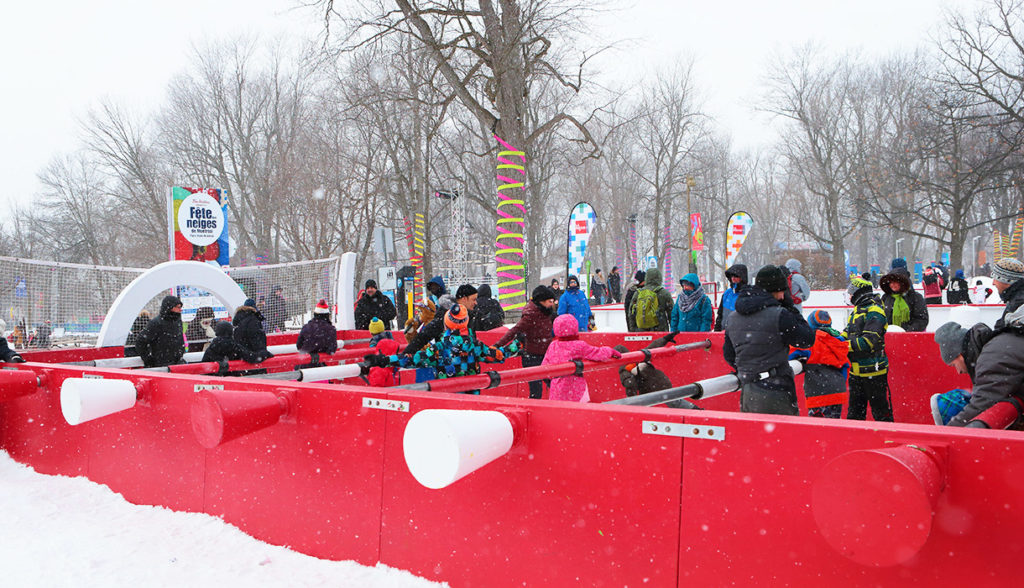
(198, 224)
(581, 224)
(736, 231)
(697, 231)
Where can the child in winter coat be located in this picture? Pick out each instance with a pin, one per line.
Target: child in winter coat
(457, 352)
(567, 347)
(318, 335)
(378, 332)
(383, 376)
(224, 347)
(825, 368)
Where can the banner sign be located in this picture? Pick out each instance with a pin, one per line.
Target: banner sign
(581, 224)
(697, 231)
(198, 224)
(736, 231)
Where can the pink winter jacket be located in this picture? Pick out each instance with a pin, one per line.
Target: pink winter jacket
(566, 348)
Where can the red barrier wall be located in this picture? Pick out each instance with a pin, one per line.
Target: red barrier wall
(593, 498)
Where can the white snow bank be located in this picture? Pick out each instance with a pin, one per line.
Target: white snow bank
(60, 531)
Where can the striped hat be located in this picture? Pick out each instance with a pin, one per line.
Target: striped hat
(457, 318)
(818, 319)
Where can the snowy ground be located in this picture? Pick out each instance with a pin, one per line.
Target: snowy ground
(60, 531)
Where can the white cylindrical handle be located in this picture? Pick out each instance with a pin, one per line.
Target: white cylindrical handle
(443, 446)
(85, 399)
(330, 372)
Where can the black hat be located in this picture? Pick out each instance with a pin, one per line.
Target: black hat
(770, 278)
(371, 284)
(639, 275)
(465, 290)
(542, 293)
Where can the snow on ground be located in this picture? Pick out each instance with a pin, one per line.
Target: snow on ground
(61, 531)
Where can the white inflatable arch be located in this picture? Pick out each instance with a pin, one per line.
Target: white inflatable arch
(160, 279)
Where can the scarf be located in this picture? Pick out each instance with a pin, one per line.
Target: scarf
(688, 300)
(900, 310)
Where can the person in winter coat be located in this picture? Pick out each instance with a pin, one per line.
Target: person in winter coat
(615, 285)
(557, 289)
(318, 335)
(826, 367)
(275, 310)
(598, 290)
(248, 332)
(998, 367)
(200, 329)
(574, 302)
(692, 310)
(638, 282)
(424, 314)
(374, 303)
(138, 326)
(904, 307)
(869, 365)
(465, 296)
(224, 347)
(384, 375)
(959, 292)
(932, 286)
(758, 335)
(737, 276)
(960, 349)
(567, 347)
(1008, 280)
(7, 354)
(652, 304)
(162, 342)
(43, 332)
(535, 329)
(799, 289)
(436, 289)
(377, 332)
(457, 352)
(487, 314)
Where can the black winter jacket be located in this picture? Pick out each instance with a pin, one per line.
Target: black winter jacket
(765, 348)
(276, 310)
(958, 292)
(488, 313)
(162, 342)
(224, 346)
(318, 336)
(1014, 298)
(615, 286)
(379, 306)
(248, 332)
(6, 353)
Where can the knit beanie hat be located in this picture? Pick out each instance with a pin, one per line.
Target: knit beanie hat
(376, 326)
(465, 290)
(950, 338)
(542, 293)
(249, 302)
(898, 262)
(771, 279)
(321, 307)
(639, 276)
(858, 287)
(1008, 270)
(819, 318)
(457, 317)
(371, 284)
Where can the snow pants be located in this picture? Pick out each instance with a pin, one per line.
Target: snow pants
(775, 395)
(873, 390)
(536, 386)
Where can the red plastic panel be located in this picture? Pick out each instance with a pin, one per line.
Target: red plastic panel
(590, 501)
(312, 482)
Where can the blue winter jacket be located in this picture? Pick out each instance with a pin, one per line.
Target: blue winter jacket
(574, 302)
(696, 319)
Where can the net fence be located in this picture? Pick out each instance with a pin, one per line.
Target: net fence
(46, 304)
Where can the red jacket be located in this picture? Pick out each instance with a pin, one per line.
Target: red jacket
(536, 325)
(933, 289)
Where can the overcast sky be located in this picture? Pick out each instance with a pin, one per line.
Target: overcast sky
(61, 57)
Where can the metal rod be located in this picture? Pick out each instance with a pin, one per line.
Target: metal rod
(700, 389)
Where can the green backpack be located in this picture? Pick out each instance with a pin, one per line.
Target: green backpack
(645, 309)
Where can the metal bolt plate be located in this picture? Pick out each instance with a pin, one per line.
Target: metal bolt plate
(684, 430)
(385, 404)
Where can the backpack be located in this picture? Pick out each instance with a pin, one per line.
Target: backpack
(645, 309)
(789, 282)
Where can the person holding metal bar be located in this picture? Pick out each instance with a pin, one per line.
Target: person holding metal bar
(758, 335)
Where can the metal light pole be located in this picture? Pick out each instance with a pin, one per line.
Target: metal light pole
(691, 266)
(898, 241)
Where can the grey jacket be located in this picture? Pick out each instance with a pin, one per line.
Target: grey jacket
(998, 373)
(800, 288)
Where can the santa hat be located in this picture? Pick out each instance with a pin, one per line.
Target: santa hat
(321, 307)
